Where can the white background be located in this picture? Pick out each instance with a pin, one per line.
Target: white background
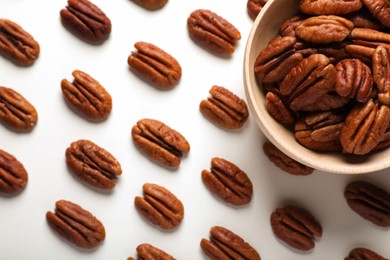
(24, 233)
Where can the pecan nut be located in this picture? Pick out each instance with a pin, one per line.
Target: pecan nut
(225, 108)
(13, 175)
(16, 44)
(87, 97)
(86, 21)
(76, 225)
(154, 65)
(16, 112)
(147, 251)
(379, 9)
(254, 7)
(213, 32)
(284, 162)
(381, 72)
(278, 107)
(369, 201)
(361, 253)
(287, 28)
(93, 164)
(329, 7)
(224, 244)
(296, 226)
(228, 182)
(365, 40)
(151, 4)
(159, 206)
(159, 142)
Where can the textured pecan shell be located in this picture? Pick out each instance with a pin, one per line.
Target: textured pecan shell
(224, 244)
(93, 164)
(225, 108)
(16, 44)
(361, 253)
(87, 96)
(296, 226)
(329, 7)
(212, 32)
(13, 175)
(381, 72)
(159, 142)
(151, 4)
(159, 206)
(228, 182)
(148, 252)
(154, 65)
(86, 20)
(369, 201)
(16, 112)
(76, 225)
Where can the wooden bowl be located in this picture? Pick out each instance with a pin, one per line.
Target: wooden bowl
(265, 27)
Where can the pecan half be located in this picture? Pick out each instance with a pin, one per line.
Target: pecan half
(379, 9)
(369, 38)
(87, 97)
(228, 182)
(13, 175)
(93, 164)
(154, 65)
(254, 7)
(364, 127)
(225, 108)
(151, 4)
(361, 253)
(159, 142)
(16, 112)
(324, 29)
(76, 225)
(148, 252)
(212, 32)
(369, 201)
(329, 7)
(278, 107)
(296, 226)
(224, 244)
(363, 19)
(381, 72)
(159, 206)
(284, 162)
(16, 44)
(287, 28)
(86, 20)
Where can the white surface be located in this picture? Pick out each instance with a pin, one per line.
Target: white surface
(24, 231)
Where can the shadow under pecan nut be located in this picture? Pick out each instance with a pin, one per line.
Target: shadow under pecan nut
(337, 7)
(361, 253)
(224, 244)
(16, 112)
(13, 175)
(159, 142)
(225, 108)
(93, 164)
(86, 20)
(381, 72)
(154, 65)
(369, 201)
(16, 44)
(228, 182)
(76, 225)
(86, 96)
(296, 226)
(364, 127)
(213, 32)
(147, 251)
(159, 206)
(380, 9)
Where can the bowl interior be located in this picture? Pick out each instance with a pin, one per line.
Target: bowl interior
(265, 27)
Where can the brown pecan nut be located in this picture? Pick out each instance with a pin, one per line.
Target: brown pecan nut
(354, 80)
(76, 225)
(284, 162)
(278, 107)
(224, 244)
(151, 4)
(13, 175)
(159, 142)
(287, 28)
(380, 9)
(329, 7)
(363, 19)
(369, 201)
(16, 44)
(16, 112)
(369, 38)
(296, 226)
(320, 131)
(212, 32)
(148, 252)
(154, 65)
(364, 127)
(86, 20)
(159, 206)
(225, 108)
(254, 7)
(324, 29)
(361, 253)
(360, 52)
(93, 164)
(381, 72)
(228, 182)
(87, 97)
